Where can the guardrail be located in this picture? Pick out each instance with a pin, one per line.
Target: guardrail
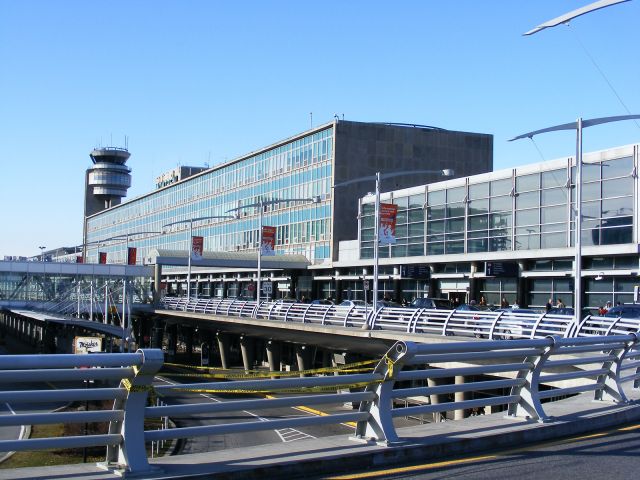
(498, 325)
(524, 371)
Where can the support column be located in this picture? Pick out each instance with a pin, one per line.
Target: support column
(172, 340)
(460, 397)
(437, 399)
(523, 286)
(247, 346)
(188, 333)
(474, 293)
(157, 333)
(433, 282)
(224, 348)
(157, 275)
(274, 355)
(303, 356)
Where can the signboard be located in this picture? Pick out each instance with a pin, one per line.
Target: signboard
(102, 257)
(267, 288)
(366, 284)
(83, 345)
(418, 271)
(267, 248)
(501, 269)
(131, 256)
(204, 354)
(251, 287)
(387, 231)
(79, 259)
(197, 247)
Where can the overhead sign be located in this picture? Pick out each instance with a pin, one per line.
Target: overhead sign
(268, 245)
(418, 271)
(387, 231)
(197, 247)
(501, 269)
(83, 345)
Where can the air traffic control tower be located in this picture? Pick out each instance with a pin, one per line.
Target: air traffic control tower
(108, 180)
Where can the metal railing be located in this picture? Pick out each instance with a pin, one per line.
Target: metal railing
(514, 375)
(498, 325)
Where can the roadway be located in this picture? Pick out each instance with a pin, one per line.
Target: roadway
(607, 454)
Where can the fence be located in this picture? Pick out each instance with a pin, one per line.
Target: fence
(516, 375)
(498, 325)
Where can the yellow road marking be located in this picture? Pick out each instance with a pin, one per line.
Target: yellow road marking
(412, 468)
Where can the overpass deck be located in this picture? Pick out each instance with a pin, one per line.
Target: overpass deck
(576, 415)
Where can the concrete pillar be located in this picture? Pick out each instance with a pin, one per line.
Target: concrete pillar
(460, 397)
(474, 291)
(522, 295)
(397, 290)
(157, 333)
(224, 349)
(188, 333)
(157, 275)
(338, 290)
(172, 340)
(433, 282)
(437, 399)
(247, 346)
(303, 356)
(274, 355)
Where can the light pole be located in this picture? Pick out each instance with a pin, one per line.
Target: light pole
(42, 252)
(376, 228)
(190, 240)
(578, 126)
(261, 203)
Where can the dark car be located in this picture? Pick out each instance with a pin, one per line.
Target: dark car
(432, 303)
(624, 311)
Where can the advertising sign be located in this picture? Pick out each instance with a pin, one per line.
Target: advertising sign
(131, 256)
(197, 247)
(268, 245)
(102, 257)
(387, 232)
(83, 345)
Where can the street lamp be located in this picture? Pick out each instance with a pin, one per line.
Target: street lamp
(261, 203)
(376, 229)
(42, 253)
(190, 242)
(578, 125)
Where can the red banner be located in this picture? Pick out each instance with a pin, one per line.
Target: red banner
(197, 248)
(131, 256)
(79, 259)
(387, 231)
(102, 257)
(268, 245)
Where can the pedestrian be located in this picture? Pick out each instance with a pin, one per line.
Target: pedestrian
(504, 303)
(560, 304)
(549, 304)
(483, 301)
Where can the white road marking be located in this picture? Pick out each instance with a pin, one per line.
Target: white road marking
(285, 434)
(22, 427)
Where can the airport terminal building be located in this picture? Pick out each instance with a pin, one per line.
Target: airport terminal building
(506, 233)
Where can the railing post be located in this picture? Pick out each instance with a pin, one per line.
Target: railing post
(379, 427)
(611, 388)
(130, 457)
(529, 404)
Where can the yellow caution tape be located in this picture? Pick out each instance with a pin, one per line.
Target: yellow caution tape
(390, 364)
(126, 383)
(184, 388)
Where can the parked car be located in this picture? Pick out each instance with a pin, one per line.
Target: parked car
(570, 311)
(388, 303)
(352, 303)
(432, 303)
(624, 311)
(519, 325)
(321, 302)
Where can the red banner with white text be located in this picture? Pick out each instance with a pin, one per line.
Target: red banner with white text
(268, 245)
(388, 215)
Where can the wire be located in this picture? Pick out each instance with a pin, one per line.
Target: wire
(606, 79)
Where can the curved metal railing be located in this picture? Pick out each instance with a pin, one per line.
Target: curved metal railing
(499, 325)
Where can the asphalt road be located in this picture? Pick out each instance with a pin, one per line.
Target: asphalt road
(610, 455)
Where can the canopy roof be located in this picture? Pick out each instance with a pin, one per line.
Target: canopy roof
(228, 259)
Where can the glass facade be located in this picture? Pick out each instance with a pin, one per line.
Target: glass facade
(518, 212)
(301, 168)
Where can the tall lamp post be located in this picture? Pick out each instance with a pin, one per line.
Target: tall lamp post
(578, 126)
(190, 240)
(376, 229)
(261, 203)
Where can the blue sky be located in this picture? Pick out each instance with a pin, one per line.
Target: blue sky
(190, 82)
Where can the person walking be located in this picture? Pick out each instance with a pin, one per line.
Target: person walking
(560, 304)
(549, 304)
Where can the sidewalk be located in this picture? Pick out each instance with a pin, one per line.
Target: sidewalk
(339, 454)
